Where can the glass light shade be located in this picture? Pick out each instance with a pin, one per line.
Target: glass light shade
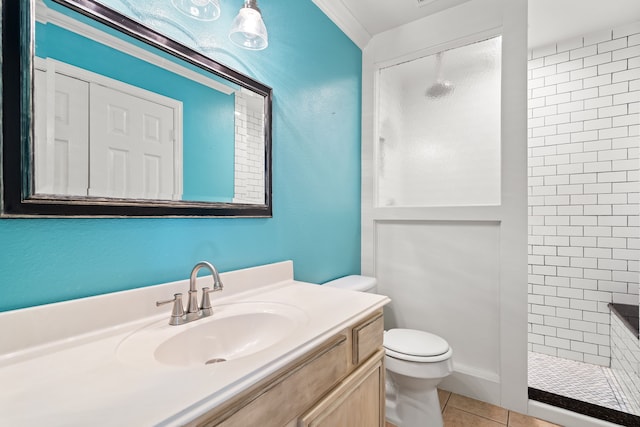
(248, 30)
(203, 10)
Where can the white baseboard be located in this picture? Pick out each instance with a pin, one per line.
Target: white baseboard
(473, 384)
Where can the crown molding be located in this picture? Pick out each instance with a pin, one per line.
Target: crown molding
(344, 19)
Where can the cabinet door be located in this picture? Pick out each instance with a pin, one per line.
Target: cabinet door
(367, 338)
(357, 402)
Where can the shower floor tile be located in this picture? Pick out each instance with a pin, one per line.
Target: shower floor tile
(582, 381)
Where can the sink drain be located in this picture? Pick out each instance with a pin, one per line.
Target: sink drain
(215, 360)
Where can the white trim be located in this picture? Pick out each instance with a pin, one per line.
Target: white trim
(486, 385)
(471, 21)
(441, 47)
(444, 213)
(466, 370)
(45, 15)
(513, 238)
(344, 19)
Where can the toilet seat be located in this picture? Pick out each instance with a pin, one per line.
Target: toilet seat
(415, 346)
(415, 363)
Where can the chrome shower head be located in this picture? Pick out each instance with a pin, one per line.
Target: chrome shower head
(441, 87)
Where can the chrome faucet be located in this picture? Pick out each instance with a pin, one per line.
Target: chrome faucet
(178, 315)
(205, 309)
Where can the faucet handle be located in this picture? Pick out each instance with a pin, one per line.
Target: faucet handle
(177, 313)
(205, 306)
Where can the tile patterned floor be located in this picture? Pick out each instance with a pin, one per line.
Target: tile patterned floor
(581, 381)
(460, 411)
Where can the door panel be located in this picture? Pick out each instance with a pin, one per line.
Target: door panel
(435, 270)
(132, 153)
(62, 147)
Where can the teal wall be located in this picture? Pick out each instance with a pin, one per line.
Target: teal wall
(315, 72)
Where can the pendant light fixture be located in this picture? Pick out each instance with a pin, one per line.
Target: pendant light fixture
(248, 30)
(202, 10)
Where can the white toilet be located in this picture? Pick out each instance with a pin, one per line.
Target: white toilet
(415, 361)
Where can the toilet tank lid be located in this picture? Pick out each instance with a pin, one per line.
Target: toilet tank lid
(354, 282)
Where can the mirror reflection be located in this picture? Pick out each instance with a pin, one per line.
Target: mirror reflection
(116, 118)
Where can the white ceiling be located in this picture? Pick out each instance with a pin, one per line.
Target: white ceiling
(377, 16)
(549, 20)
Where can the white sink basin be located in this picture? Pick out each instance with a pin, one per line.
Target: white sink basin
(233, 331)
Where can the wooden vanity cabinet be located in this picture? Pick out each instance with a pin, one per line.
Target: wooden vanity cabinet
(338, 383)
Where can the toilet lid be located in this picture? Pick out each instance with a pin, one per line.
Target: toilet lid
(414, 342)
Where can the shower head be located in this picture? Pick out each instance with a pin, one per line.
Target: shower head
(441, 87)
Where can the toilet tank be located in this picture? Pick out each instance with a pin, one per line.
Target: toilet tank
(354, 283)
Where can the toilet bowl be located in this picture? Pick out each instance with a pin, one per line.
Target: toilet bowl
(415, 361)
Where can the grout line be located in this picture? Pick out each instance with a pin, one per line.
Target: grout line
(483, 417)
(446, 405)
(616, 390)
(474, 414)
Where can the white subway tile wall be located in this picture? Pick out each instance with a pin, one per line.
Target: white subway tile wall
(584, 232)
(249, 184)
(625, 362)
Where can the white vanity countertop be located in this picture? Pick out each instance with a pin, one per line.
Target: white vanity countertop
(59, 364)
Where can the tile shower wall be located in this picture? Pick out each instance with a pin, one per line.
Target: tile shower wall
(249, 149)
(625, 362)
(584, 111)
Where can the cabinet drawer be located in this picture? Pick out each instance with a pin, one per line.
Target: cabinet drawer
(284, 395)
(367, 337)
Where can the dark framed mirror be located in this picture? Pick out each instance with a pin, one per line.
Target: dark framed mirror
(104, 116)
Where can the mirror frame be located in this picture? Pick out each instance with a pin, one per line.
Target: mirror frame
(16, 198)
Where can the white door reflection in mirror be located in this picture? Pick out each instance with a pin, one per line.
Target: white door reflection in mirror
(108, 139)
(61, 144)
(132, 146)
